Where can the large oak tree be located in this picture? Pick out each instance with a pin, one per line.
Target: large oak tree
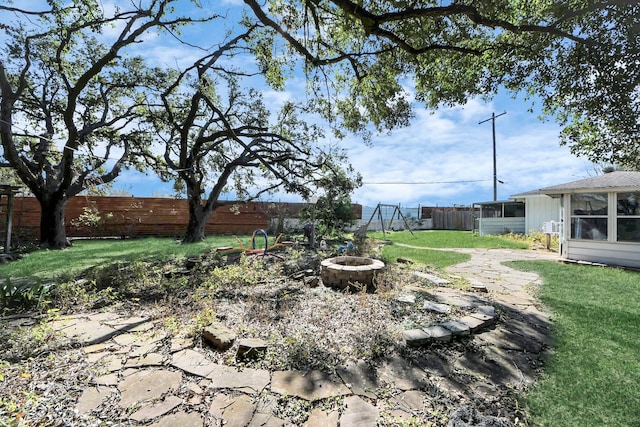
(220, 137)
(580, 59)
(70, 94)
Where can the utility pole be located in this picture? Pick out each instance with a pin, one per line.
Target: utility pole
(495, 172)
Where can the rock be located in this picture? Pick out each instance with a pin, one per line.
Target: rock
(219, 336)
(144, 385)
(456, 327)
(251, 348)
(404, 261)
(438, 333)
(91, 398)
(432, 278)
(358, 413)
(467, 416)
(435, 307)
(310, 385)
(407, 299)
(320, 418)
(416, 337)
(147, 413)
(182, 419)
(193, 362)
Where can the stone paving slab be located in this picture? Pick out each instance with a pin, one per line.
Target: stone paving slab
(233, 411)
(402, 374)
(320, 418)
(247, 380)
(309, 385)
(182, 419)
(360, 378)
(148, 413)
(91, 398)
(147, 384)
(358, 413)
(193, 362)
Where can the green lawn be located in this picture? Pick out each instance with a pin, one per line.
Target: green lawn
(593, 378)
(448, 239)
(49, 264)
(422, 243)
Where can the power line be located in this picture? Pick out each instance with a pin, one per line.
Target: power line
(423, 182)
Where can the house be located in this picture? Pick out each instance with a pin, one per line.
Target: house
(501, 217)
(600, 218)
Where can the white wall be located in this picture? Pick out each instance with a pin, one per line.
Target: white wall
(540, 209)
(502, 225)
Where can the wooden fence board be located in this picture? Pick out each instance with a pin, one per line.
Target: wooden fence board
(139, 217)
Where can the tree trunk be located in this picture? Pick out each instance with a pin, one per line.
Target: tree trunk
(198, 217)
(52, 232)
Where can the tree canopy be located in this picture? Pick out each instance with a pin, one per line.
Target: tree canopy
(580, 59)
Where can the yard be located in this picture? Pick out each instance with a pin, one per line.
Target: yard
(591, 378)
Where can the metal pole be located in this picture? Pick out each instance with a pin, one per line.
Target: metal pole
(495, 171)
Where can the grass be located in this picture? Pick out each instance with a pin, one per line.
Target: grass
(419, 246)
(593, 378)
(431, 257)
(51, 264)
(448, 239)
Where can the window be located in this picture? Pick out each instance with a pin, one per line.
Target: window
(628, 217)
(589, 216)
(503, 210)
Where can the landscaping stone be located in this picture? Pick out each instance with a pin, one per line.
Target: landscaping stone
(360, 378)
(309, 385)
(151, 359)
(147, 413)
(182, 419)
(474, 324)
(402, 374)
(406, 404)
(178, 344)
(432, 278)
(433, 364)
(193, 362)
(91, 398)
(246, 379)
(416, 337)
(86, 333)
(358, 413)
(487, 310)
(438, 333)
(320, 418)
(436, 307)
(251, 348)
(144, 385)
(407, 299)
(457, 328)
(219, 336)
(109, 379)
(232, 411)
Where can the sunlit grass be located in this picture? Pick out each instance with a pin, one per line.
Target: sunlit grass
(430, 257)
(50, 264)
(448, 239)
(593, 378)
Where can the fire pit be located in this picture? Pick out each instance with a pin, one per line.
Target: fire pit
(350, 271)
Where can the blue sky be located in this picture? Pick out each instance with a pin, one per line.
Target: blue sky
(423, 161)
(419, 164)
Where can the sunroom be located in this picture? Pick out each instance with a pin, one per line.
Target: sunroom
(601, 218)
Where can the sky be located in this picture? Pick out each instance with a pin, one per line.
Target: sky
(424, 163)
(443, 158)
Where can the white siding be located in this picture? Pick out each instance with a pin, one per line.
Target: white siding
(540, 209)
(501, 225)
(623, 254)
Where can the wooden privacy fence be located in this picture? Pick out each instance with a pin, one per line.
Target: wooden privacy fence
(137, 217)
(453, 219)
(94, 216)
